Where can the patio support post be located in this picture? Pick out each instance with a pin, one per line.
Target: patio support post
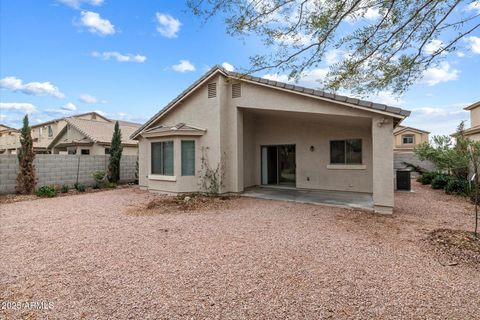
(382, 158)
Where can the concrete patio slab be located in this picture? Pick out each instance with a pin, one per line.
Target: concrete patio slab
(327, 197)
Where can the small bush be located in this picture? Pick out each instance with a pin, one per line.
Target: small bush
(440, 181)
(427, 177)
(111, 185)
(100, 178)
(47, 192)
(96, 186)
(457, 186)
(64, 188)
(80, 187)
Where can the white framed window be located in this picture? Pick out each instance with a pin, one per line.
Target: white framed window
(50, 131)
(188, 157)
(162, 158)
(408, 139)
(347, 151)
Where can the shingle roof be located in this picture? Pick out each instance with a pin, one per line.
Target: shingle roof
(285, 86)
(101, 132)
(402, 128)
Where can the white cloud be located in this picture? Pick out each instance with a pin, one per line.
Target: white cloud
(18, 106)
(3, 116)
(168, 26)
(442, 73)
(460, 54)
(183, 66)
(437, 111)
(372, 14)
(474, 44)
(32, 88)
(69, 107)
(474, 6)
(433, 46)
(119, 56)
(96, 24)
(77, 3)
(296, 39)
(227, 66)
(86, 98)
(311, 78)
(387, 98)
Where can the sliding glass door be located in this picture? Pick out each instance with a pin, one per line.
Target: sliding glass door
(278, 165)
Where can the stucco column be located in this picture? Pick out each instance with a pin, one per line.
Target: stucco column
(382, 160)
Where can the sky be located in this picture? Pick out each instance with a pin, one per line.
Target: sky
(128, 59)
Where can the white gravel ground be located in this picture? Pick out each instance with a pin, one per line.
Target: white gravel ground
(259, 259)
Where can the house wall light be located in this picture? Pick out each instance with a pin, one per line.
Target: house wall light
(312, 148)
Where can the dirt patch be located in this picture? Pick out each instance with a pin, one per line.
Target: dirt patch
(164, 204)
(11, 198)
(456, 246)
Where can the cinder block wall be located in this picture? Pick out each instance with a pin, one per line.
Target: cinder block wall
(59, 169)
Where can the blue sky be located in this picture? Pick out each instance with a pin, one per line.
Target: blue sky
(127, 59)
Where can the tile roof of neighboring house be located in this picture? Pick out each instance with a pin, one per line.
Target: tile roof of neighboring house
(280, 85)
(75, 115)
(472, 106)
(101, 132)
(400, 129)
(4, 127)
(472, 130)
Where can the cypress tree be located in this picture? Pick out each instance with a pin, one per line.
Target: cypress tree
(115, 155)
(26, 171)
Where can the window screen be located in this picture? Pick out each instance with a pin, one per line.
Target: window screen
(162, 158)
(346, 151)
(188, 158)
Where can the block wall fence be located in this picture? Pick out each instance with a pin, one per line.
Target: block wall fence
(56, 169)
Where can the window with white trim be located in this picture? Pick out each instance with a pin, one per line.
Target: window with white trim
(162, 158)
(408, 139)
(188, 157)
(347, 151)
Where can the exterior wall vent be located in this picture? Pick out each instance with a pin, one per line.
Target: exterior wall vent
(236, 90)
(212, 90)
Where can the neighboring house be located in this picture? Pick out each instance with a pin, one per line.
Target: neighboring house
(86, 136)
(474, 131)
(44, 133)
(263, 132)
(406, 138)
(9, 140)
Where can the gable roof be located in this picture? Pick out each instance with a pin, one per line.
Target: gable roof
(98, 131)
(401, 129)
(472, 106)
(4, 127)
(72, 116)
(353, 102)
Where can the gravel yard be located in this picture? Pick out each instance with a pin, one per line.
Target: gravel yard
(253, 259)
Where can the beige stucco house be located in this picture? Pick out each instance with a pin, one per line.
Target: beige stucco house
(87, 136)
(264, 132)
(474, 131)
(9, 140)
(44, 133)
(406, 138)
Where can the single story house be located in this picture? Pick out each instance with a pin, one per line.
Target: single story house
(86, 136)
(263, 132)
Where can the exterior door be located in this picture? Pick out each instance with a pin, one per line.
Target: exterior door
(278, 165)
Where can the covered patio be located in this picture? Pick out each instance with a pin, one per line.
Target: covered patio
(334, 198)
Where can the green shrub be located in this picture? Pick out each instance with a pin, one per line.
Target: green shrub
(440, 181)
(47, 191)
(457, 186)
(96, 186)
(65, 188)
(111, 185)
(80, 187)
(427, 177)
(100, 178)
